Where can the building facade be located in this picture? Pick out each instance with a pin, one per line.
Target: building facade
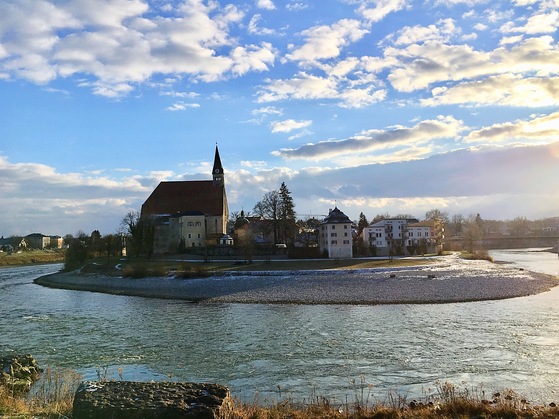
(335, 235)
(399, 236)
(188, 214)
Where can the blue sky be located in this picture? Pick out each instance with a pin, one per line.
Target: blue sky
(376, 106)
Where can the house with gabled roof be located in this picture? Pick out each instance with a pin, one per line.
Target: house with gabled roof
(189, 214)
(336, 237)
(37, 241)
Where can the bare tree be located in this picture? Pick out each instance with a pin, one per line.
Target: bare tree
(437, 214)
(269, 209)
(456, 224)
(141, 231)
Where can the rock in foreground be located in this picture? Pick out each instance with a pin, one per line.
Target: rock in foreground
(18, 372)
(126, 399)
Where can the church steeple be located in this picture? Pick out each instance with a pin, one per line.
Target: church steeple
(217, 169)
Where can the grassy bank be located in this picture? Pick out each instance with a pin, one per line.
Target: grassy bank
(54, 394)
(31, 257)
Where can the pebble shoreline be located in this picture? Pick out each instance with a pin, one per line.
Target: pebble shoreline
(447, 280)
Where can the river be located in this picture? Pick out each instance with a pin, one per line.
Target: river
(300, 351)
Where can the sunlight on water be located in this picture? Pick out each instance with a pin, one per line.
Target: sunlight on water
(291, 350)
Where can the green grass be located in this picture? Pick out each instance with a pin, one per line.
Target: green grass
(31, 257)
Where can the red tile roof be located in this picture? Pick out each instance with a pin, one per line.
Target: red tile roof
(199, 195)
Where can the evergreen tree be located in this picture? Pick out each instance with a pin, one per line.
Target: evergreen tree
(287, 215)
(362, 223)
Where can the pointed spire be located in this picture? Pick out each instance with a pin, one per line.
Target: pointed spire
(218, 168)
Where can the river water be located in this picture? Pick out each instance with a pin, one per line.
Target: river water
(274, 351)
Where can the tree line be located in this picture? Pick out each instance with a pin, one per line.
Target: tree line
(277, 207)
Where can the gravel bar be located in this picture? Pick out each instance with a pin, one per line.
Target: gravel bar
(449, 279)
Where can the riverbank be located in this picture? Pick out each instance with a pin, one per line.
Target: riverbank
(447, 279)
(31, 257)
(56, 395)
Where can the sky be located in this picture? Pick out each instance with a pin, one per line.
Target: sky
(373, 106)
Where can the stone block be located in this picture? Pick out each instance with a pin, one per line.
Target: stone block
(128, 399)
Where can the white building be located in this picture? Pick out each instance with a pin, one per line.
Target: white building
(404, 236)
(336, 236)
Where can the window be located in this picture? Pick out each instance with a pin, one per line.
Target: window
(189, 235)
(190, 224)
(333, 234)
(346, 241)
(345, 234)
(198, 224)
(345, 227)
(334, 242)
(333, 227)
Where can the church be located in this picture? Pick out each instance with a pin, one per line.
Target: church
(189, 214)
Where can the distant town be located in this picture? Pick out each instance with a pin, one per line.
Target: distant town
(192, 218)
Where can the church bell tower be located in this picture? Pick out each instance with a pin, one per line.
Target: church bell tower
(217, 170)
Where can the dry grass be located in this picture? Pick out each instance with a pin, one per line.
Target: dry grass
(449, 403)
(329, 264)
(198, 269)
(31, 257)
(476, 255)
(54, 396)
(51, 397)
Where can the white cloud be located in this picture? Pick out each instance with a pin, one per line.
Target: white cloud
(182, 106)
(267, 110)
(296, 6)
(536, 24)
(380, 9)
(490, 181)
(252, 58)
(184, 95)
(254, 28)
(511, 40)
(540, 129)
(502, 90)
(36, 195)
(288, 125)
(304, 86)
(265, 4)
(367, 141)
(124, 44)
(442, 31)
(301, 86)
(323, 42)
(418, 66)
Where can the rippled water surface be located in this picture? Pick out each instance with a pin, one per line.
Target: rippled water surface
(302, 350)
